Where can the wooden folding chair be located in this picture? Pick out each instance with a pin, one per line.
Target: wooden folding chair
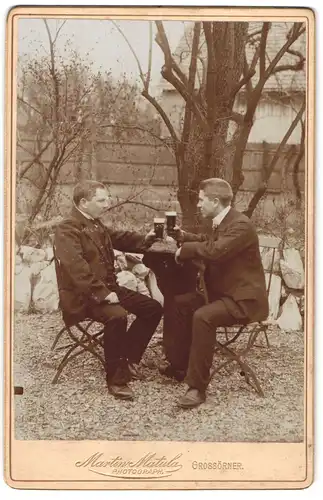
(81, 339)
(85, 336)
(253, 330)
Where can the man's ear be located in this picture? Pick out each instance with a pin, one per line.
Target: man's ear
(82, 202)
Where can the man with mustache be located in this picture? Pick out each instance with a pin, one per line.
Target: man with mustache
(88, 287)
(235, 283)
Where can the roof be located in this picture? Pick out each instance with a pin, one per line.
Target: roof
(288, 80)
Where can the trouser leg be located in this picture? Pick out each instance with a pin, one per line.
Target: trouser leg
(206, 319)
(180, 341)
(148, 313)
(114, 319)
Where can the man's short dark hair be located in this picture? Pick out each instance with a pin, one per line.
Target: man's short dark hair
(217, 188)
(86, 189)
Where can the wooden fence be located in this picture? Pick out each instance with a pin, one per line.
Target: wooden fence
(130, 163)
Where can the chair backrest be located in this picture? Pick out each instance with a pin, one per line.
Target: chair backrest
(269, 251)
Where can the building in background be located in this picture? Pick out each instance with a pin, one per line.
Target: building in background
(282, 96)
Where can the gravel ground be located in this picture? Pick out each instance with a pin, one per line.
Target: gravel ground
(79, 407)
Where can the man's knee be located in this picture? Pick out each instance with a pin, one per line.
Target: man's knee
(200, 316)
(158, 308)
(117, 314)
(184, 301)
(155, 308)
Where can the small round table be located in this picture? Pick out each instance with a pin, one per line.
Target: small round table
(173, 279)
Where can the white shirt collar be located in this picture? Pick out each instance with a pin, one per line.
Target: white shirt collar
(87, 216)
(219, 218)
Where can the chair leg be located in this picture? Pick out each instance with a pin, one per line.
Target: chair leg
(67, 357)
(86, 344)
(58, 336)
(266, 337)
(91, 342)
(245, 369)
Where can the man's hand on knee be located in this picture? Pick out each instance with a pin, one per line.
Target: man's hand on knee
(112, 298)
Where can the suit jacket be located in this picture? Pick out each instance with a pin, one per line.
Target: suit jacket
(233, 265)
(85, 261)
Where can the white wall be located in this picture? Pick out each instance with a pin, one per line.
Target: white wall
(272, 118)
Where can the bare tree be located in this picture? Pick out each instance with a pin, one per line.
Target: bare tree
(65, 108)
(201, 147)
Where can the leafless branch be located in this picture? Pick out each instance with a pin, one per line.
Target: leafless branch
(29, 105)
(262, 48)
(253, 34)
(244, 81)
(297, 31)
(24, 170)
(170, 64)
(141, 73)
(139, 128)
(269, 169)
(150, 54)
(58, 31)
(163, 115)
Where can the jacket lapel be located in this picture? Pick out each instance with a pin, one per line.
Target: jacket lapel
(92, 229)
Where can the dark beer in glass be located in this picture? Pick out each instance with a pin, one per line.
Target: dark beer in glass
(159, 227)
(170, 222)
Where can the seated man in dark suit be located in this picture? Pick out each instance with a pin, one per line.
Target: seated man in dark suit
(235, 283)
(88, 287)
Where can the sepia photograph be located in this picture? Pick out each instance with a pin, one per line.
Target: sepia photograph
(161, 215)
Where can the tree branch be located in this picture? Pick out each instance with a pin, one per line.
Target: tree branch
(24, 170)
(289, 67)
(138, 127)
(134, 203)
(54, 75)
(163, 115)
(244, 81)
(57, 32)
(150, 54)
(296, 33)
(180, 83)
(262, 48)
(191, 82)
(30, 106)
(141, 73)
(263, 188)
(296, 168)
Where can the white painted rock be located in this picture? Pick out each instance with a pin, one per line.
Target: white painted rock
(292, 269)
(290, 318)
(140, 270)
(274, 294)
(22, 287)
(121, 261)
(37, 267)
(31, 254)
(142, 287)
(270, 257)
(269, 241)
(127, 279)
(117, 252)
(45, 293)
(49, 253)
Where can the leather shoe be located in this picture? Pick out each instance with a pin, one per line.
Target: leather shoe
(121, 391)
(135, 372)
(170, 371)
(192, 397)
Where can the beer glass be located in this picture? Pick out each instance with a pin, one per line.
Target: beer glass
(159, 227)
(170, 222)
